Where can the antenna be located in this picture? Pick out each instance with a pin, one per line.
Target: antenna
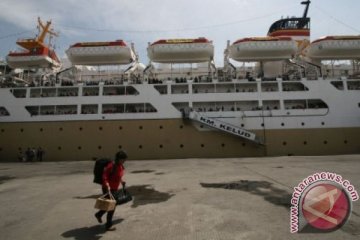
(307, 3)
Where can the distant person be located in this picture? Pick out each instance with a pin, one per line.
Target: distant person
(39, 154)
(21, 156)
(28, 154)
(111, 179)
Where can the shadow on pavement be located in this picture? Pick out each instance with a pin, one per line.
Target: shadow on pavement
(262, 188)
(142, 195)
(88, 233)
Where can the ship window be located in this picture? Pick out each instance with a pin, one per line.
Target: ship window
(35, 92)
(19, 93)
(243, 144)
(181, 106)
(180, 89)
(338, 84)
(115, 91)
(353, 85)
(140, 127)
(48, 92)
(59, 148)
(202, 145)
(120, 147)
(162, 89)
(325, 142)
(271, 104)
(345, 141)
(113, 108)
(21, 130)
(284, 143)
(140, 146)
(269, 87)
(4, 112)
(120, 128)
(305, 142)
(65, 109)
(89, 109)
(68, 92)
(223, 145)
(90, 91)
(294, 87)
(79, 147)
(160, 146)
(139, 108)
(305, 104)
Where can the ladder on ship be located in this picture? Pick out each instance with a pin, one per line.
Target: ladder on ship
(222, 126)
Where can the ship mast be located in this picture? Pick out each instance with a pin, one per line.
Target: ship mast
(307, 3)
(37, 42)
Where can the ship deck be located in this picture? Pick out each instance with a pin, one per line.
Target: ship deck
(173, 199)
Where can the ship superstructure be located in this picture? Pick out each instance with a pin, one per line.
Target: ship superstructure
(181, 105)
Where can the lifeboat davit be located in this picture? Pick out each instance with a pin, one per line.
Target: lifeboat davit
(263, 49)
(181, 51)
(335, 48)
(100, 53)
(35, 53)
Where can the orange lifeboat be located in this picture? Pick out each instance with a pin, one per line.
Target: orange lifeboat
(335, 48)
(181, 50)
(100, 53)
(35, 53)
(263, 49)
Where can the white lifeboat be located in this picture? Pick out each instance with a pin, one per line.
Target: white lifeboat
(335, 48)
(181, 50)
(41, 57)
(263, 49)
(100, 53)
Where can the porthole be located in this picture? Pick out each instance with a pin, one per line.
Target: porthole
(262, 125)
(140, 146)
(181, 145)
(223, 145)
(120, 127)
(21, 130)
(59, 148)
(41, 129)
(100, 128)
(322, 123)
(99, 147)
(2, 130)
(120, 147)
(160, 146)
(80, 128)
(202, 145)
(282, 124)
(243, 144)
(242, 125)
(201, 126)
(0, 149)
(305, 142)
(284, 143)
(325, 142)
(181, 126)
(345, 141)
(161, 127)
(60, 129)
(79, 147)
(302, 124)
(140, 127)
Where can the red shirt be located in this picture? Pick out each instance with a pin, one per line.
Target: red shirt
(113, 179)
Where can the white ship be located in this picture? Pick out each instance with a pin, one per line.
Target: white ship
(296, 99)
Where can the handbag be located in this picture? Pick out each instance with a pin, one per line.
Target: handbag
(122, 196)
(106, 202)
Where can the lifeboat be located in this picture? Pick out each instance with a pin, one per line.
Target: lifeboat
(35, 53)
(335, 48)
(263, 49)
(181, 51)
(100, 53)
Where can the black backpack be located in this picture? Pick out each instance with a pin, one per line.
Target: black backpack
(99, 169)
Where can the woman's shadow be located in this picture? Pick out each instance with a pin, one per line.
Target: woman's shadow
(88, 233)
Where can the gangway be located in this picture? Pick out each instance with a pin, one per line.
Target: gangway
(222, 126)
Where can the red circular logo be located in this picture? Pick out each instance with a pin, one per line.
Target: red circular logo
(326, 206)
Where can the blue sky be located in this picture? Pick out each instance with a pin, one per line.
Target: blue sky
(143, 21)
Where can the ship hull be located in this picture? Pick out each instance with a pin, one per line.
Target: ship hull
(155, 139)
